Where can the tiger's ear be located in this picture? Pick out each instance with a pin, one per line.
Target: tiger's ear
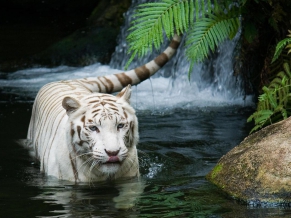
(70, 104)
(125, 94)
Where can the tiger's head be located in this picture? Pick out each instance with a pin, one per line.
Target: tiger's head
(103, 132)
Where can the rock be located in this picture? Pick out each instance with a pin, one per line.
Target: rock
(94, 43)
(62, 32)
(258, 170)
(84, 47)
(109, 13)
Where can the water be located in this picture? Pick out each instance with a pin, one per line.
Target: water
(177, 150)
(179, 145)
(185, 127)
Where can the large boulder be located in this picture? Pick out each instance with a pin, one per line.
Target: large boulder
(258, 170)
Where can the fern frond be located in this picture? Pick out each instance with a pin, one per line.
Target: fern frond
(208, 32)
(285, 43)
(287, 69)
(154, 19)
(197, 11)
(271, 97)
(273, 104)
(260, 118)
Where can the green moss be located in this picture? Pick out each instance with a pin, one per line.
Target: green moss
(216, 170)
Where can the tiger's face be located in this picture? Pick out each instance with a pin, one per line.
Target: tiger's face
(103, 131)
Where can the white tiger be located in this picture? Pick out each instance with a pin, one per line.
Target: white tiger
(82, 135)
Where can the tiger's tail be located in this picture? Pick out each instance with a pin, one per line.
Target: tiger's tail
(115, 82)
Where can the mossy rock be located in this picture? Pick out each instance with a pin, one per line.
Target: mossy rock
(83, 47)
(259, 169)
(109, 13)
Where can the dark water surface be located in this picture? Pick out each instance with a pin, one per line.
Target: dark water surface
(177, 150)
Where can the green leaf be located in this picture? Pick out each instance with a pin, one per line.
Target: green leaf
(273, 104)
(262, 116)
(279, 48)
(154, 19)
(207, 33)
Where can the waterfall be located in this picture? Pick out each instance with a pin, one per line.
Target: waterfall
(212, 83)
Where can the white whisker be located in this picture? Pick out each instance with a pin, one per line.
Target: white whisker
(85, 154)
(94, 163)
(84, 164)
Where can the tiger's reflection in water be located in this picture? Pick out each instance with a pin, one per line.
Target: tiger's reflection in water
(99, 198)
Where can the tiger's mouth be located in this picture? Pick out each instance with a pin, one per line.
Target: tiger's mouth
(113, 160)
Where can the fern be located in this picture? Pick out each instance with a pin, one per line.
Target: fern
(208, 33)
(154, 19)
(274, 103)
(285, 43)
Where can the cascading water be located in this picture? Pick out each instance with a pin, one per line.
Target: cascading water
(212, 83)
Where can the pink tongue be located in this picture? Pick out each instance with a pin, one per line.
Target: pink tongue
(113, 159)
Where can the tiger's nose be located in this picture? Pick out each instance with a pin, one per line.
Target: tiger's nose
(112, 153)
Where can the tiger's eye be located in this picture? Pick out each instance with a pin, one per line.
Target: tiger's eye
(120, 126)
(93, 128)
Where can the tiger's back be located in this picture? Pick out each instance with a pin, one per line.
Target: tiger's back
(48, 119)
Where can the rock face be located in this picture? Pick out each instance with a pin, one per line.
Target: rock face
(94, 43)
(50, 33)
(84, 47)
(109, 13)
(259, 169)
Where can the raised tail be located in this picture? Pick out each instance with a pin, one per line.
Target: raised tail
(115, 82)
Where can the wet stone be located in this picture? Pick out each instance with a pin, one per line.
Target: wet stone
(258, 170)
